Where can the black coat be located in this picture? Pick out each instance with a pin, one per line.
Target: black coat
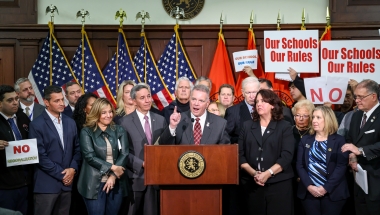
(14, 177)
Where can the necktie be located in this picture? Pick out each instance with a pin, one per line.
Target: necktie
(148, 132)
(27, 111)
(363, 121)
(15, 129)
(197, 132)
(317, 163)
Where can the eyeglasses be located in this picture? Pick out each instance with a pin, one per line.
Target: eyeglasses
(251, 93)
(302, 116)
(359, 98)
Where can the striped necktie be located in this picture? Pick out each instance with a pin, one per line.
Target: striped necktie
(317, 163)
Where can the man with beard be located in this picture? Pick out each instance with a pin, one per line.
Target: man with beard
(26, 95)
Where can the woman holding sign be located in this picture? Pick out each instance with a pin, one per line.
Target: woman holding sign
(266, 146)
(104, 148)
(321, 166)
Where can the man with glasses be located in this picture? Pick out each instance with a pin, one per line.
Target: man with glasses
(196, 126)
(363, 143)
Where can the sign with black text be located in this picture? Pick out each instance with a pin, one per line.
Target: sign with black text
(21, 152)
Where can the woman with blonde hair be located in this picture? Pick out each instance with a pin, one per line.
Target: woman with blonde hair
(124, 101)
(217, 109)
(104, 148)
(321, 166)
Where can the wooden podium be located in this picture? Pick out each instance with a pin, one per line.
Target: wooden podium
(180, 195)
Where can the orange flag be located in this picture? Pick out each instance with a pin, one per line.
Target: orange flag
(221, 72)
(259, 72)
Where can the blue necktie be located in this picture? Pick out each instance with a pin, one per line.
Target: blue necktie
(15, 129)
(317, 163)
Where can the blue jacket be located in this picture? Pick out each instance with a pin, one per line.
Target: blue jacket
(52, 156)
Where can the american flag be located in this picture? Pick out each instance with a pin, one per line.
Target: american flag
(94, 81)
(168, 61)
(121, 66)
(160, 93)
(39, 75)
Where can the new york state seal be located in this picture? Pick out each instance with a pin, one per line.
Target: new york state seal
(191, 164)
(191, 7)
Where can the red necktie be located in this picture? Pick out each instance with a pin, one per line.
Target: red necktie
(363, 121)
(197, 132)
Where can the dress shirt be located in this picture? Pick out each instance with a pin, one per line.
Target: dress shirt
(202, 120)
(142, 120)
(58, 125)
(14, 117)
(250, 107)
(72, 108)
(31, 107)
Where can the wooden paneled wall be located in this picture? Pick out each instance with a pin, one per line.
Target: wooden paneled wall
(20, 44)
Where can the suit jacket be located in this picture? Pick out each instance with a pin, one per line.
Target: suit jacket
(37, 110)
(275, 146)
(68, 111)
(53, 157)
(214, 131)
(369, 139)
(336, 185)
(14, 177)
(137, 139)
(236, 115)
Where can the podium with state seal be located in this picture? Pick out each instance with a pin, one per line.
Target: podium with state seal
(191, 177)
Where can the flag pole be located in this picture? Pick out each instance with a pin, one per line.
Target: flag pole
(303, 20)
(177, 11)
(143, 15)
(251, 20)
(82, 13)
(119, 14)
(278, 21)
(327, 17)
(51, 9)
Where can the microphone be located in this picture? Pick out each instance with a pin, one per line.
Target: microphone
(192, 120)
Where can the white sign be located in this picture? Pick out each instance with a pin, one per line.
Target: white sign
(245, 58)
(326, 89)
(298, 49)
(355, 59)
(21, 152)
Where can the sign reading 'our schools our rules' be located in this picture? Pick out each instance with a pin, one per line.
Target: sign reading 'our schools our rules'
(297, 49)
(355, 59)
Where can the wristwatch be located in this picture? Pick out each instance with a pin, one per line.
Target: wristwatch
(361, 151)
(271, 172)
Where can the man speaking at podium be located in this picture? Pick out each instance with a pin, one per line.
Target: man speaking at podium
(196, 126)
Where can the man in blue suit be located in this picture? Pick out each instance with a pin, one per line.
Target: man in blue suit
(59, 154)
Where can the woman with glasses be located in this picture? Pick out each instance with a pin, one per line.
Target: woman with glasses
(266, 146)
(321, 166)
(302, 112)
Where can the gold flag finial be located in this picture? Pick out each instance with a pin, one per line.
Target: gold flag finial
(51, 9)
(121, 14)
(278, 21)
(327, 17)
(177, 11)
(221, 22)
(82, 13)
(142, 15)
(303, 18)
(251, 20)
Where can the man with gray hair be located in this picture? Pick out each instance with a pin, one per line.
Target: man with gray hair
(182, 94)
(26, 94)
(363, 143)
(143, 128)
(196, 126)
(204, 81)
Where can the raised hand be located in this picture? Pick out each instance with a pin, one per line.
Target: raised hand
(293, 73)
(175, 118)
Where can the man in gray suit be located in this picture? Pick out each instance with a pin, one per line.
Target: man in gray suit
(196, 126)
(143, 127)
(26, 94)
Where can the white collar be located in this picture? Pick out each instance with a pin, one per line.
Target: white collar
(141, 115)
(24, 106)
(201, 118)
(6, 118)
(53, 118)
(368, 113)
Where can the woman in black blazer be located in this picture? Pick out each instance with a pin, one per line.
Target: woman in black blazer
(266, 146)
(321, 166)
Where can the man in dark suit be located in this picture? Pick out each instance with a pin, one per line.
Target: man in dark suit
(143, 127)
(59, 154)
(14, 181)
(363, 141)
(73, 92)
(196, 126)
(238, 114)
(27, 95)
(183, 87)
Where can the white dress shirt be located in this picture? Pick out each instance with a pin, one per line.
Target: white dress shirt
(142, 120)
(58, 125)
(31, 107)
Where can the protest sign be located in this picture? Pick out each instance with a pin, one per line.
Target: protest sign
(21, 152)
(245, 58)
(326, 89)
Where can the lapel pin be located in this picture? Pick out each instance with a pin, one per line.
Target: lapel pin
(374, 117)
(307, 146)
(268, 132)
(208, 124)
(329, 149)
(153, 120)
(371, 120)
